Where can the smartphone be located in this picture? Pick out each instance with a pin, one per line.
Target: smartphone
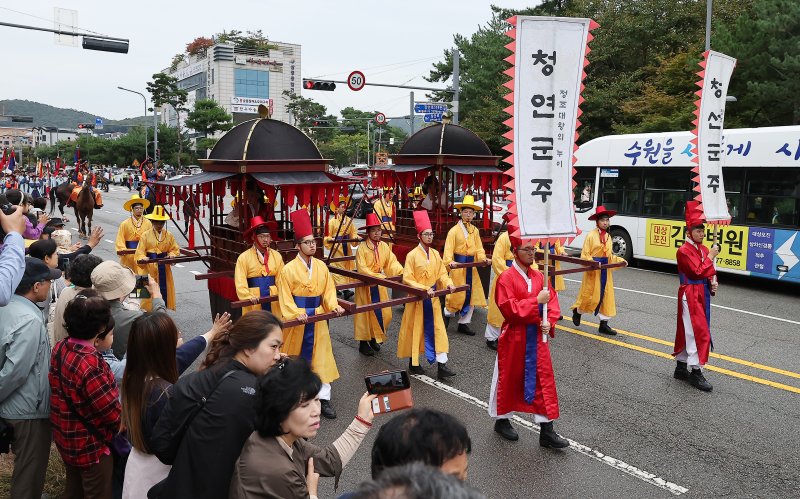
(65, 266)
(140, 291)
(387, 382)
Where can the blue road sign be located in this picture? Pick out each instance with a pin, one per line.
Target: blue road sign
(98, 123)
(431, 117)
(430, 108)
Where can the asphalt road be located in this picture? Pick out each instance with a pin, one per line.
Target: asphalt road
(635, 431)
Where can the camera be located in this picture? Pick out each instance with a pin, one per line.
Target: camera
(7, 208)
(140, 291)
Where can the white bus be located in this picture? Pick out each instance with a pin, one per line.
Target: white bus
(646, 179)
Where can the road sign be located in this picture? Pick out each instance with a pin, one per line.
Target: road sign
(98, 123)
(429, 107)
(431, 117)
(380, 118)
(356, 81)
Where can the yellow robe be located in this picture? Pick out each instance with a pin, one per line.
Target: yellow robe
(589, 294)
(423, 273)
(348, 231)
(149, 244)
(366, 325)
(293, 281)
(250, 265)
(501, 258)
(457, 244)
(384, 209)
(127, 235)
(556, 249)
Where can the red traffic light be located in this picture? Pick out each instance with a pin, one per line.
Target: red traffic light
(319, 85)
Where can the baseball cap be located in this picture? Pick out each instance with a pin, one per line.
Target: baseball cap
(37, 271)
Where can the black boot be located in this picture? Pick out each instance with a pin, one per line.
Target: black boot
(697, 380)
(446, 321)
(576, 317)
(681, 372)
(444, 371)
(365, 349)
(373, 343)
(606, 329)
(492, 344)
(327, 409)
(550, 439)
(464, 329)
(504, 428)
(347, 294)
(415, 369)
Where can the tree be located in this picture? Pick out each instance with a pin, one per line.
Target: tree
(309, 114)
(164, 90)
(199, 45)
(208, 117)
(766, 81)
(252, 40)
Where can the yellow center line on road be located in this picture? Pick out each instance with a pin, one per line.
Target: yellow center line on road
(665, 355)
(727, 358)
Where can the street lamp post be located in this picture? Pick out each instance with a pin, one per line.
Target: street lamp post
(145, 113)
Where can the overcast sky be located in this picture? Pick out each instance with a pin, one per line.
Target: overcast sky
(391, 42)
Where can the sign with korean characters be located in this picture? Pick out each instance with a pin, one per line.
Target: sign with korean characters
(710, 116)
(549, 58)
(664, 237)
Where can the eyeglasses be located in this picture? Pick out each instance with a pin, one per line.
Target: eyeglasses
(311, 242)
(428, 234)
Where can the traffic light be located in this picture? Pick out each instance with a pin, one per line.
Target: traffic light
(105, 45)
(86, 126)
(319, 85)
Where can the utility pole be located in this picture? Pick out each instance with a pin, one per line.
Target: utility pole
(709, 4)
(411, 112)
(456, 77)
(369, 143)
(155, 135)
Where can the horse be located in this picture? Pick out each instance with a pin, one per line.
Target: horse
(60, 195)
(149, 193)
(84, 209)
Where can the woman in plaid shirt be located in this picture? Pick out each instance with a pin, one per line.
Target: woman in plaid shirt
(85, 408)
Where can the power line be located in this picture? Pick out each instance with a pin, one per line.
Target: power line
(401, 64)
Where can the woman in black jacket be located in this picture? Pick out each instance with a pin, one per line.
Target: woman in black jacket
(211, 413)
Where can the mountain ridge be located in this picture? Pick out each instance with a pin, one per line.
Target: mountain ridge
(47, 115)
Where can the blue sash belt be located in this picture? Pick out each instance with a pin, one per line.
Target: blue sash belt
(262, 283)
(468, 298)
(706, 283)
(428, 329)
(309, 304)
(552, 276)
(131, 244)
(162, 275)
(531, 347)
(509, 262)
(345, 246)
(386, 218)
(603, 278)
(375, 295)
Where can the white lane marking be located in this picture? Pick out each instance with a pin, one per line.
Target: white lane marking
(179, 265)
(723, 307)
(595, 454)
(109, 241)
(195, 272)
(651, 271)
(108, 211)
(73, 228)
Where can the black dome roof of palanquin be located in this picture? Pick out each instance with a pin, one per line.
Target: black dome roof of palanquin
(265, 140)
(457, 141)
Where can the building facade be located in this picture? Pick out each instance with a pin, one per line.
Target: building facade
(15, 137)
(239, 79)
(50, 135)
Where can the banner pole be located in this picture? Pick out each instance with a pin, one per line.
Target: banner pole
(546, 282)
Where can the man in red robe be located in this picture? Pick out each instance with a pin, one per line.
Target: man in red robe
(698, 282)
(523, 378)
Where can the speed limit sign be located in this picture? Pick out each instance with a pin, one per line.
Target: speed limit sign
(356, 81)
(380, 118)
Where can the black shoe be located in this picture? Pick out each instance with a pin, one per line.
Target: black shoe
(504, 428)
(415, 369)
(348, 294)
(339, 294)
(492, 344)
(464, 329)
(576, 317)
(444, 372)
(681, 372)
(697, 380)
(550, 439)
(365, 349)
(446, 321)
(373, 343)
(606, 329)
(327, 409)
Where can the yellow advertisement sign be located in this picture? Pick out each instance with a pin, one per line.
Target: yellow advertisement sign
(664, 237)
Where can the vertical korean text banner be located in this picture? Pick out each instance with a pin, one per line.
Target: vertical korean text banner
(710, 187)
(550, 54)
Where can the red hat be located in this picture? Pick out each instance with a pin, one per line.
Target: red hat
(255, 223)
(422, 221)
(301, 221)
(372, 221)
(602, 211)
(694, 214)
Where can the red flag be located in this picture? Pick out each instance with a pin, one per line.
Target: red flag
(58, 163)
(3, 161)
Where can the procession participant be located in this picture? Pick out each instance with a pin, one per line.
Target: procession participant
(306, 288)
(131, 230)
(158, 243)
(81, 173)
(341, 228)
(384, 208)
(373, 258)
(422, 328)
(556, 281)
(523, 378)
(258, 267)
(464, 245)
(698, 283)
(597, 289)
(502, 257)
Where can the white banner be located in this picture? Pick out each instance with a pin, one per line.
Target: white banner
(710, 157)
(549, 60)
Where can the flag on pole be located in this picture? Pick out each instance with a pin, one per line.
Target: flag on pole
(709, 116)
(12, 161)
(58, 163)
(77, 155)
(549, 56)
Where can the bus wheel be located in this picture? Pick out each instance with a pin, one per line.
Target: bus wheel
(621, 244)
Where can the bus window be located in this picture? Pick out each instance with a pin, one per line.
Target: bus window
(771, 198)
(623, 192)
(583, 192)
(666, 192)
(733, 193)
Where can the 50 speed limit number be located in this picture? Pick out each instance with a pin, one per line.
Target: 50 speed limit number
(356, 81)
